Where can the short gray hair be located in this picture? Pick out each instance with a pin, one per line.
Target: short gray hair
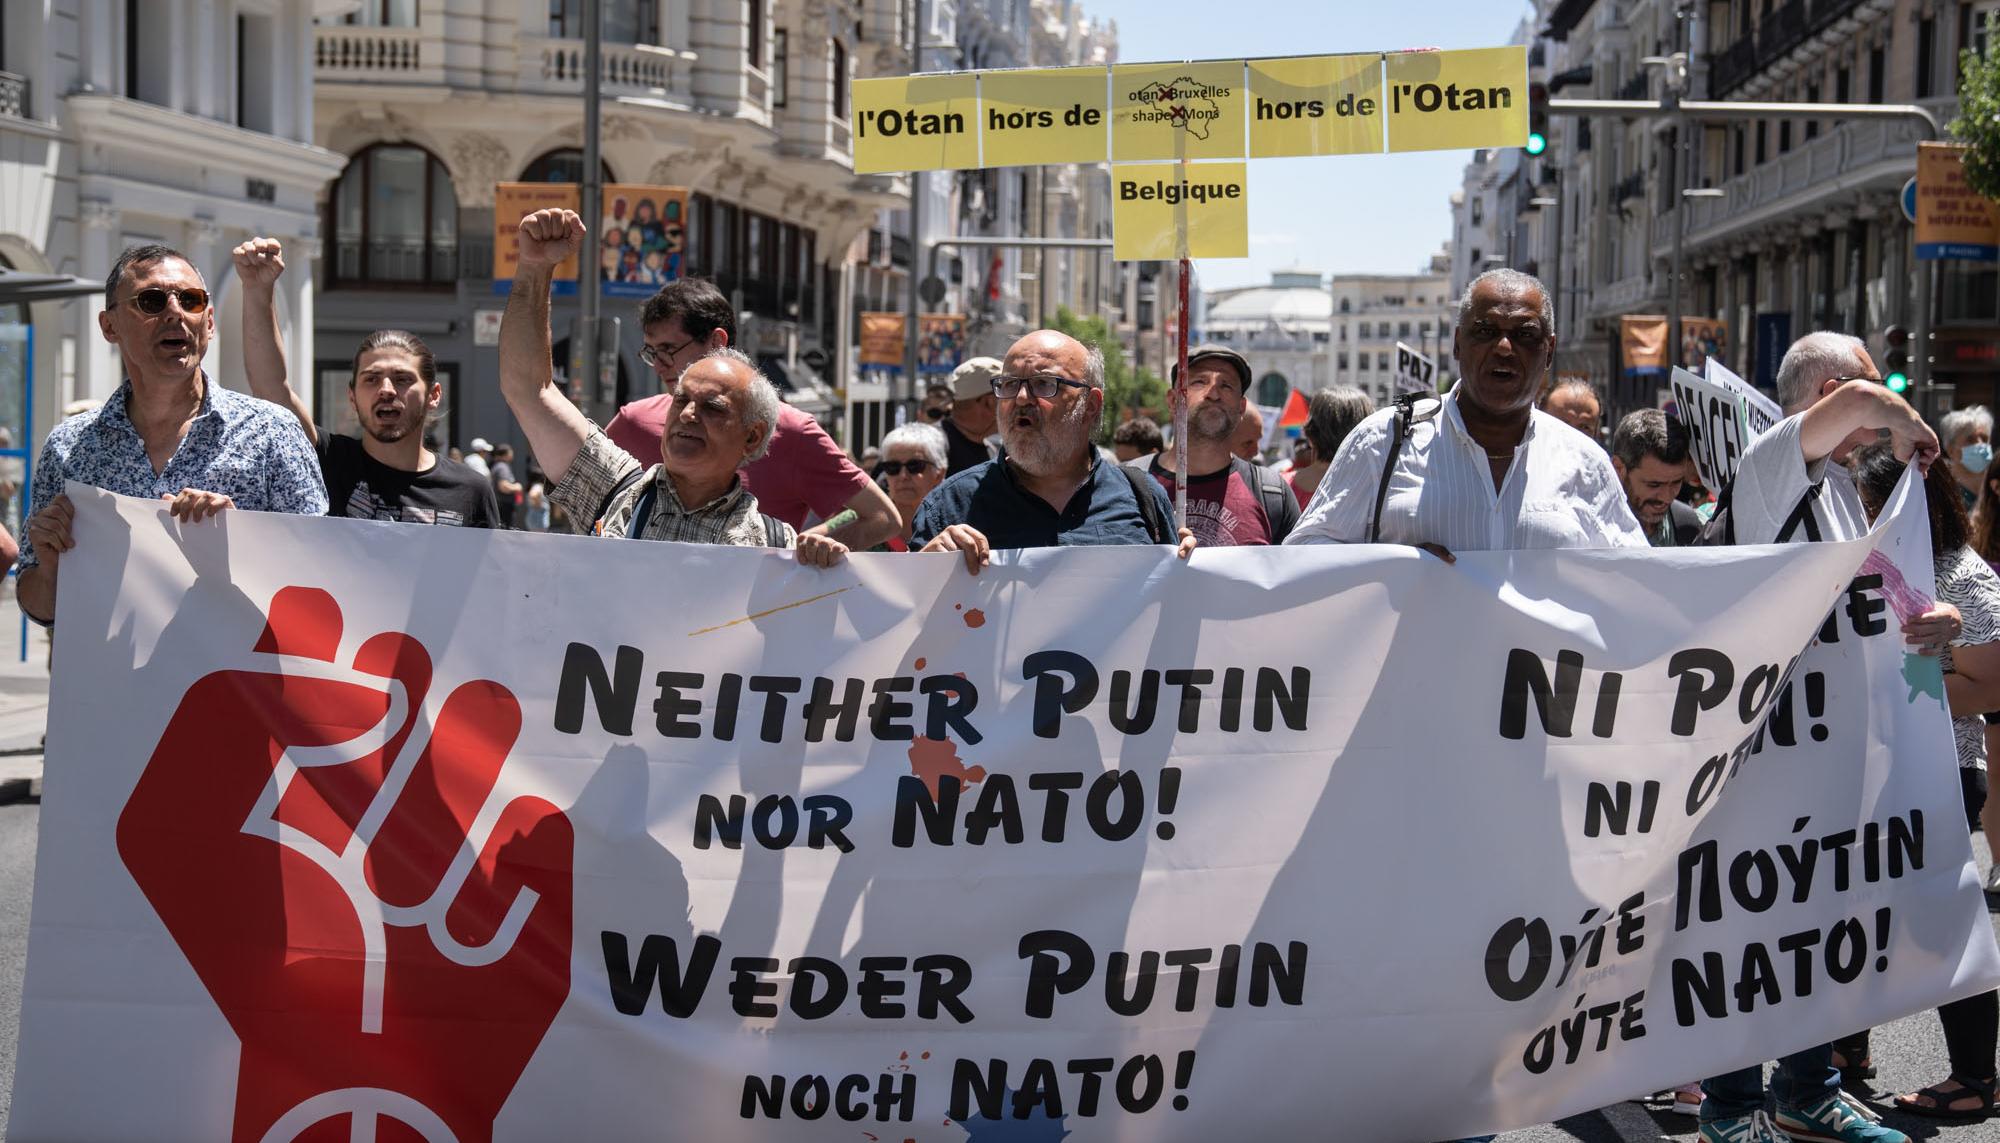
(1960, 422)
(762, 408)
(1331, 415)
(1811, 361)
(1509, 279)
(1093, 367)
(930, 438)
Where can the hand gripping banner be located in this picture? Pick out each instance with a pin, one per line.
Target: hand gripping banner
(373, 831)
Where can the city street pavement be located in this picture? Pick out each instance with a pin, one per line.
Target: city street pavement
(1909, 1053)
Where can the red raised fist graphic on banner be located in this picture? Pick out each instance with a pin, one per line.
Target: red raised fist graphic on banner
(388, 940)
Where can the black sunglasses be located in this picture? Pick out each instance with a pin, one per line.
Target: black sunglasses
(154, 300)
(898, 467)
(934, 413)
(1042, 385)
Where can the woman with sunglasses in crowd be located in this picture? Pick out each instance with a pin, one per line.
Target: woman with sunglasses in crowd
(913, 464)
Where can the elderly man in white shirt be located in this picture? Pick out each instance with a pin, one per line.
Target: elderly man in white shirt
(1483, 470)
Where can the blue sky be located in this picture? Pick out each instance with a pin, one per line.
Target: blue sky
(1382, 214)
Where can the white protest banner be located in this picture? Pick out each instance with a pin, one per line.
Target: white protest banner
(1415, 373)
(520, 837)
(1717, 423)
(1762, 412)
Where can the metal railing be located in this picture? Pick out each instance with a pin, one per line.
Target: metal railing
(557, 66)
(354, 52)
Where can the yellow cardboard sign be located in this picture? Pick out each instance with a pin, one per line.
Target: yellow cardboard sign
(1174, 111)
(1316, 105)
(1440, 101)
(1042, 115)
(916, 123)
(1173, 210)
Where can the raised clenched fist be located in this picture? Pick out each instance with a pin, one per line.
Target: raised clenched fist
(550, 237)
(388, 938)
(259, 262)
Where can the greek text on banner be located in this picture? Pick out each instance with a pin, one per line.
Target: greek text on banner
(1179, 210)
(1099, 841)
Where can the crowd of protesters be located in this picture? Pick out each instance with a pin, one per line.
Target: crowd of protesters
(1004, 456)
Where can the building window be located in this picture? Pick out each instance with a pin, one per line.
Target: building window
(384, 14)
(1343, 326)
(1878, 69)
(1346, 306)
(1402, 329)
(395, 219)
(753, 40)
(1784, 136)
(1382, 362)
(839, 81)
(1812, 96)
(1978, 27)
(1741, 136)
(146, 71)
(564, 165)
(1761, 135)
(1478, 212)
(1926, 57)
(1363, 331)
(625, 21)
(781, 66)
(1842, 85)
(1364, 362)
(256, 83)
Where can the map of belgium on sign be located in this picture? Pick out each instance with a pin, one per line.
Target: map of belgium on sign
(1176, 111)
(1183, 104)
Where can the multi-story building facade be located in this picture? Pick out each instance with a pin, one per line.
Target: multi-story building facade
(1800, 228)
(433, 102)
(1284, 329)
(1372, 312)
(122, 123)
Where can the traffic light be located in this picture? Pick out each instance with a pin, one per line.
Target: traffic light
(1538, 118)
(1896, 359)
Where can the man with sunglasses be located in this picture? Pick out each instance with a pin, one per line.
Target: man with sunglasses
(168, 432)
(1483, 470)
(1050, 488)
(803, 474)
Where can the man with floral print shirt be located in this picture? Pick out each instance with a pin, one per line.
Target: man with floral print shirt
(169, 432)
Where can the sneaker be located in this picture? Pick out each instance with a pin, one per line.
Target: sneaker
(1686, 1099)
(1837, 1118)
(1752, 1128)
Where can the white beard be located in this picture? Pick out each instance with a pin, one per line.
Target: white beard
(1048, 451)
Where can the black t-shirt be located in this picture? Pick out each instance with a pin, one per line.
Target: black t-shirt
(961, 451)
(360, 487)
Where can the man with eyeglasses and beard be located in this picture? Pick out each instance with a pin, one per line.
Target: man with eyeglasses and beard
(169, 432)
(1050, 489)
(802, 475)
(386, 472)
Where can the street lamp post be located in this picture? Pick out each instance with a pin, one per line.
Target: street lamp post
(1688, 194)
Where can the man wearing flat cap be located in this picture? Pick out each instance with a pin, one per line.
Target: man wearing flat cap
(1230, 500)
(972, 423)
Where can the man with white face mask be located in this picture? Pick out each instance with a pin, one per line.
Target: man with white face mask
(1968, 440)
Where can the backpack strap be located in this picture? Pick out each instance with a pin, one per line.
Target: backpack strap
(1406, 412)
(1803, 517)
(1149, 509)
(624, 483)
(774, 530)
(1281, 508)
(642, 511)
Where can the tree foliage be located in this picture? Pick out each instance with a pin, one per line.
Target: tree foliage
(1978, 122)
(1125, 389)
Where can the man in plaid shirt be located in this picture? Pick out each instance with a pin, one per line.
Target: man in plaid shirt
(721, 419)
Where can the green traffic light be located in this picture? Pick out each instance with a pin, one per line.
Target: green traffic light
(1537, 143)
(1897, 382)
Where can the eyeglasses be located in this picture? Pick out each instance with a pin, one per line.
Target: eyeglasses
(154, 300)
(1042, 385)
(934, 413)
(897, 467)
(1523, 337)
(654, 355)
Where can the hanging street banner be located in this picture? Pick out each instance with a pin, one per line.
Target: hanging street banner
(1316, 105)
(1953, 220)
(641, 247)
(940, 342)
(1157, 206)
(1368, 103)
(1098, 843)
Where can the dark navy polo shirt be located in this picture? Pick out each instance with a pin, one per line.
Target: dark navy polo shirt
(991, 499)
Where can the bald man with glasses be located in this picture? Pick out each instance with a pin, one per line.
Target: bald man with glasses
(1050, 488)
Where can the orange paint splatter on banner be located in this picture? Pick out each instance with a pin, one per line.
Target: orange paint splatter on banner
(920, 664)
(975, 618)
(933, 758)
